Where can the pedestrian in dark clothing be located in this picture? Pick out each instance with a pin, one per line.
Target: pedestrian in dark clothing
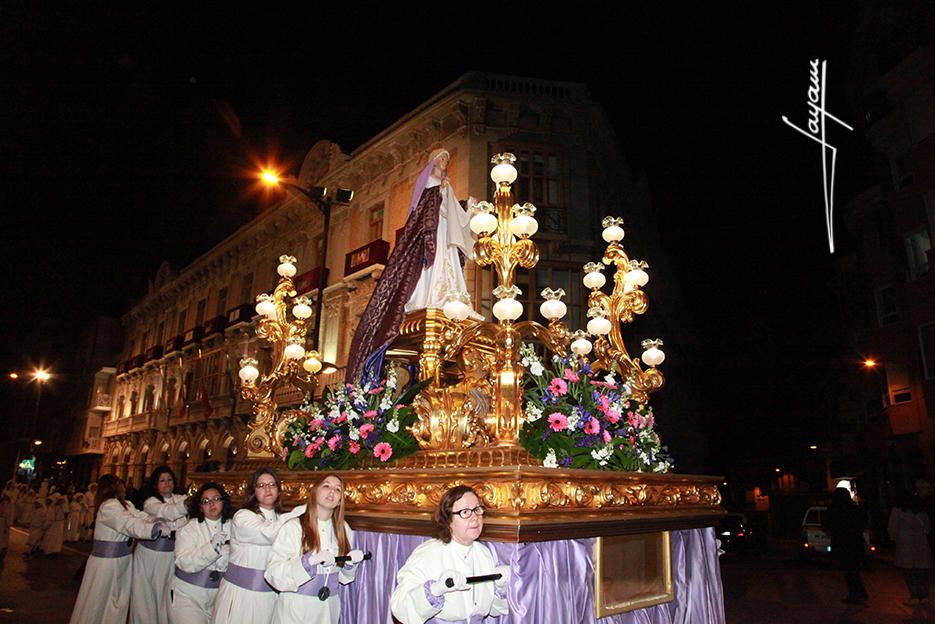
(846, 523)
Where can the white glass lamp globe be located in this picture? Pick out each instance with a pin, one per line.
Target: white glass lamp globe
(483, 223)
(265, 306)
(456, 310)
(612, 233)
(594, 280)
(286, 269)
(312, 364)
(302, 311)
(553, 309)
(503, 173)
(524, 226)
(637, 277)
(249, 373)
(598, 326)
(295, 351)
(581, 346)
(508, 309)
(654, 356)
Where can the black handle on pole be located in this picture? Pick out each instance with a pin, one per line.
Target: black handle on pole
(346, 558)
(450, 582)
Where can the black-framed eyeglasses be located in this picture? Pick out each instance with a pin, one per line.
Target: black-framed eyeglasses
(208, 501)
(467, 513)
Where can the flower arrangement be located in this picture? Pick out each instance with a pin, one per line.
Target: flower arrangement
(353, 425)
(575, 420)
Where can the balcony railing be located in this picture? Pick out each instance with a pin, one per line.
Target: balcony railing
(192, 335)
(368, 255)
(308, 281)
(173, 345)
(153, 353)
(214, 326)
(102, 402)
(240, 315)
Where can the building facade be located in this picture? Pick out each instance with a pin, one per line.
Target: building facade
(884, 422)
(175, 396)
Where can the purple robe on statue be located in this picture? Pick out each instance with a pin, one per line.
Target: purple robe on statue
(384, 313)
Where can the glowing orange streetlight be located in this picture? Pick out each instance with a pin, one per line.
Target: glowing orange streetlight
(41, 375)
(13, 375)
(269, 177)
(870, 363)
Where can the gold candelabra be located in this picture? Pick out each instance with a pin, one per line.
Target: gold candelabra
(609, 313)
(287, 338)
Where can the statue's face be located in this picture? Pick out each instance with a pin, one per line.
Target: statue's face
(442, 161)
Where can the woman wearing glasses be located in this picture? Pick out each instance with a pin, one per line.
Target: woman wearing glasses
(154, 560)
(302, 564)
(244, 595)
(432, 582)
(201, 553)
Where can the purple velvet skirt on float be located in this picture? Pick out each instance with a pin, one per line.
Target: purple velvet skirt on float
(555, 582)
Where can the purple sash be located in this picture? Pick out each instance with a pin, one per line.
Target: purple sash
(111, 550)
(160, 544)
(201, 578)
(318, 581)
(247, 578)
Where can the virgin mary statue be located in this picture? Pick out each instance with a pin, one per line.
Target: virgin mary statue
(424, 270)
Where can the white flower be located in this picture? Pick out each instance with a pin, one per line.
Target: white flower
(386, 403)
(602, 454)
(573, 419)
(533, 413)
(550, 461)
(392, 426)
(611, 379)
(353, 433)
(391, 379)
(536, 368)
(661, 467)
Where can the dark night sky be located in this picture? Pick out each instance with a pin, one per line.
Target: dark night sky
(125, 135)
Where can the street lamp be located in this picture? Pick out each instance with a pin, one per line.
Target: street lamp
(319, 196)
(41, 377)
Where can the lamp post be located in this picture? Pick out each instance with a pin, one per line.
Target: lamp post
(320, 197)
(40, 377)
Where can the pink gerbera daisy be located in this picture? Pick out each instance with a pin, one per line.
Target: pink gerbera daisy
(383, 451)
(591, 427)
(558, 386)
(365, 430)
(353, 447)
(558, 421)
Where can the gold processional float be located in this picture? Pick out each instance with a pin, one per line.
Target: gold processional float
(470, 415)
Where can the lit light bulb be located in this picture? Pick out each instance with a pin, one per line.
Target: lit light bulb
(503, 171)
(286, 266)
(612, 231)
(598, 325)
(456, 307)
(580, 345)
(523, 224)
(484, 222)
(507, 308)
(553, 307)
(653, 355)
(248, 370)
(302, 309)
(265, 306)
(312, 363)
(594, 276)
(294, 350)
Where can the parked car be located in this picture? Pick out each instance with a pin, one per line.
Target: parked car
(734, 532)
(816, 540)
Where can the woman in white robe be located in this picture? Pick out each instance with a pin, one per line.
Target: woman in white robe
(87, 513)
(202, 549)
(154, 560)
(105, 589)
(73, 524)
(302, 564)
(432, 583)
(54, 537)
(244, 595)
